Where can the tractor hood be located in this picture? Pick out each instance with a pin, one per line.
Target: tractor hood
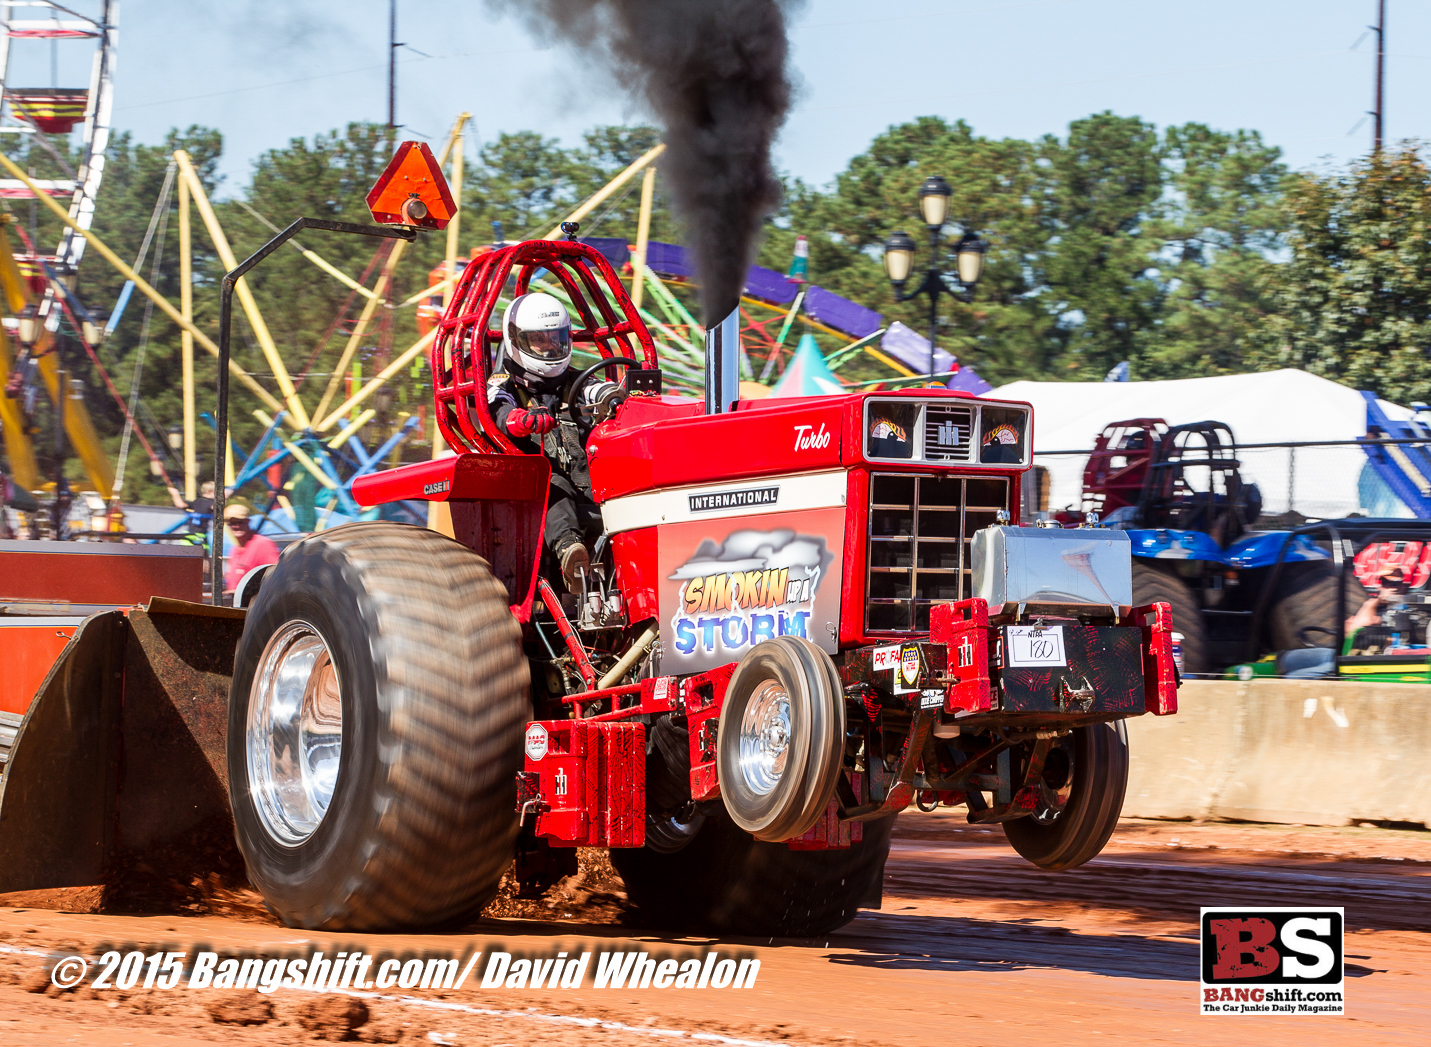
(660, 442)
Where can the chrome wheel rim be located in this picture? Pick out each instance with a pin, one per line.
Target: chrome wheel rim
(294, 736)
(765, 738)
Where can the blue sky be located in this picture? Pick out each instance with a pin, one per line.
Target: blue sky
(265, 72)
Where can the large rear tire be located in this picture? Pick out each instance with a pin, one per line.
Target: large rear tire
(1098, 780)
(1153, 585)
(379, 697)
(1306, 599)
(727, 882)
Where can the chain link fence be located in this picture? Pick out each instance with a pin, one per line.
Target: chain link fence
(1298, 481)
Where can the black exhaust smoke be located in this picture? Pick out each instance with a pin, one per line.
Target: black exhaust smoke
(713, 71)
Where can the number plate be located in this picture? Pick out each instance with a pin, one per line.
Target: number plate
(1030, 646)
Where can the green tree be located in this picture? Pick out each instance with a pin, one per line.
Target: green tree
(1220, 223)
(525, 181)
(1097, 189)
(134, 177)
(1354, 299)
(1187, 254)
(1106, 245)
(1002, 331)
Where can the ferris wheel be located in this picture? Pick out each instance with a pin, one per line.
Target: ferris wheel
(43, 112)
(39, 287)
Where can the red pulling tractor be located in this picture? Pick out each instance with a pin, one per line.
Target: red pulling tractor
(801, 617)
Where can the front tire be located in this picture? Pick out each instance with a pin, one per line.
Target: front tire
(781, 738)
(375, 730)
(727, 882)
(1098, 779)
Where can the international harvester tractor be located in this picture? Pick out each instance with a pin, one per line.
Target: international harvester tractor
(801, 617)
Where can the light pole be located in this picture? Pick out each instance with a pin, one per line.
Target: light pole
(969, 258)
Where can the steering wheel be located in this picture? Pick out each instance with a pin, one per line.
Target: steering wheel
(1302, 633)
(585, 376)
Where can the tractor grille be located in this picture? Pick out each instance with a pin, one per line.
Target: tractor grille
(919, 531)
(947, 431)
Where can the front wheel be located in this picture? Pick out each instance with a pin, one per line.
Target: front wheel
(781, 738)
(1305, 601)
(1085, 777)
(725, 881)
(375, 731)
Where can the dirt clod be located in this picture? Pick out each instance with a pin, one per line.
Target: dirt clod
(596, 894)
(241, 1008)
(381, 1032)
(38, 981)
(335, 1018)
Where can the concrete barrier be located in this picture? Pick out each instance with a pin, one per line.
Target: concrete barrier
(1293, 751)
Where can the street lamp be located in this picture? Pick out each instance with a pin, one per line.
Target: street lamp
(176, 437)
(934, 197)
(899, 258)
(969, 258)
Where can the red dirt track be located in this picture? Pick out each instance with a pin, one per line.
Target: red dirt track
(972, 946)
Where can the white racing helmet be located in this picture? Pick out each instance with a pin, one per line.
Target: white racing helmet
(536, 334)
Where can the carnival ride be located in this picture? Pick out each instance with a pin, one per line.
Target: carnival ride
(38, 287)
(299, 445)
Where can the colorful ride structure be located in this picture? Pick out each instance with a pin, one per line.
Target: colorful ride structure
(37, 287)
(316, 448)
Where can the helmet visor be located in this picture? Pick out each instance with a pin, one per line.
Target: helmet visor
(543, 345)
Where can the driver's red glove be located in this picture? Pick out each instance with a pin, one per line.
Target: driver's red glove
(534, 420)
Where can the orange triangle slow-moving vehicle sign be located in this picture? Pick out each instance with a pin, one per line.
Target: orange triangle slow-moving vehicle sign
(412, 190)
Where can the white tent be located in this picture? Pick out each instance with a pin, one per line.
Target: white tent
(1267, 407)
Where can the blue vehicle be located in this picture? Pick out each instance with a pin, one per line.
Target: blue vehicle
(1194, 525)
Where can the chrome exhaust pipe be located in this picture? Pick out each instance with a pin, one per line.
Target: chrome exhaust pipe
(723, 364)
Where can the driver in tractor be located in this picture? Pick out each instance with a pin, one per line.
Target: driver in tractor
(525, 397)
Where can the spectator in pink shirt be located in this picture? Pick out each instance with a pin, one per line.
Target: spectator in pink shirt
(250, 550)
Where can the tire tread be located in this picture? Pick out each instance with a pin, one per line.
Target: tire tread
(453, 695)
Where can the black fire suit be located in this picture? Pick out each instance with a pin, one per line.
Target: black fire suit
(572, 513)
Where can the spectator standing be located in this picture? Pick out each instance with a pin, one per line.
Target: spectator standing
(250, 550)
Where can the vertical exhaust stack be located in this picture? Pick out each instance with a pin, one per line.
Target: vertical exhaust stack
(723, 364)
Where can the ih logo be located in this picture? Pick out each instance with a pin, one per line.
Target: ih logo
(561, 780)
(966, 653)
(946, 434)
(1269, 960)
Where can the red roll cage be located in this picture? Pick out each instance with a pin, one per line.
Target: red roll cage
(460, 373)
